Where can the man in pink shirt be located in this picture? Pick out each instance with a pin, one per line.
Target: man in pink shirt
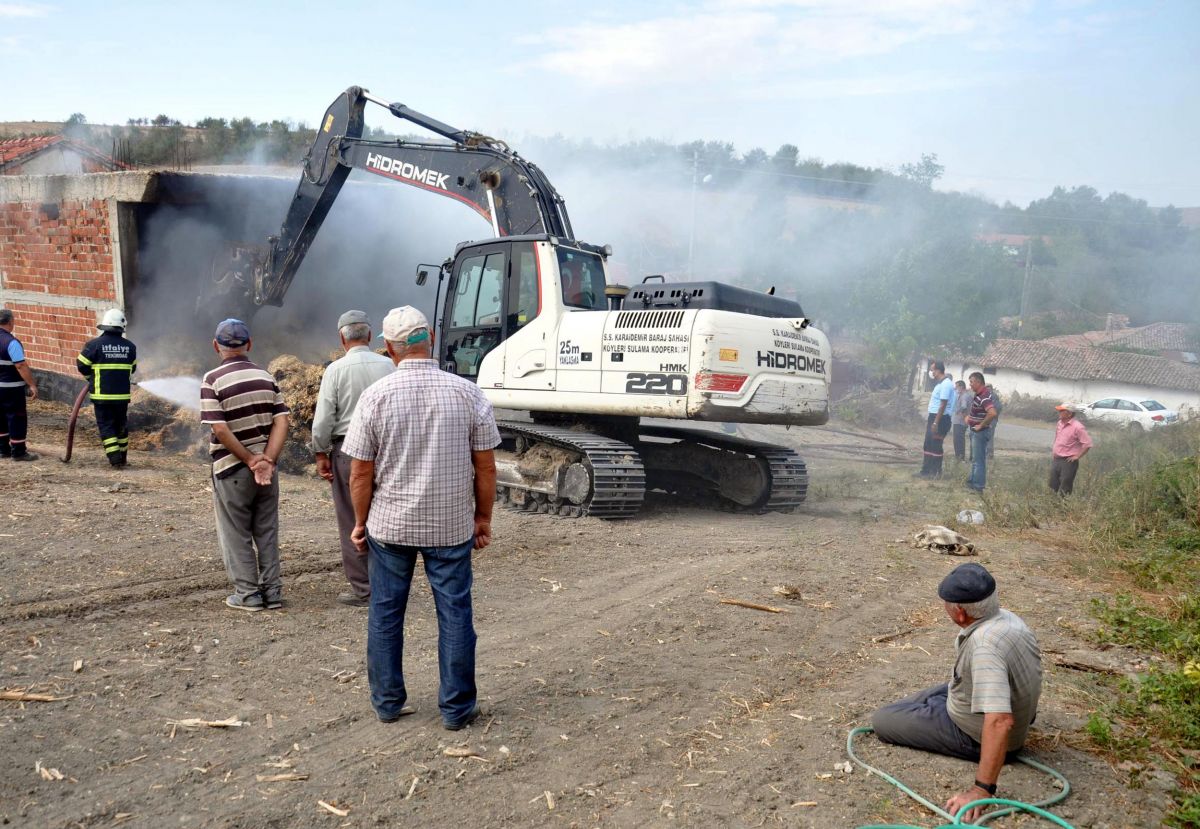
(1071, 442)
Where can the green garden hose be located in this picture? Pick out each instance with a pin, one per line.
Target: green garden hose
(1012, 806)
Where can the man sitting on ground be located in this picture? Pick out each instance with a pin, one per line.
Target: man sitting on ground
(983, 714)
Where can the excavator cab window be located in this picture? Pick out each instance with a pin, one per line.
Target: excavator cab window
(524, 297)
(474, 320)
(582, 277)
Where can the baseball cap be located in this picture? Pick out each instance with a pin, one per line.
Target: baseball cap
(967, 583)
(405, 325)
(352, 317)
(232, 333)
(1064, 407)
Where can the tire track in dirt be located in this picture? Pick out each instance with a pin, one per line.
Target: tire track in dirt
(115, 596)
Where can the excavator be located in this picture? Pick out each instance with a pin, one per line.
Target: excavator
(530, 315)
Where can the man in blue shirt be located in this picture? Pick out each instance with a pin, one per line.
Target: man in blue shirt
(15, 378)
(941, 404)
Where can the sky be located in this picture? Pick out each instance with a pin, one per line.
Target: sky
(1014, 96)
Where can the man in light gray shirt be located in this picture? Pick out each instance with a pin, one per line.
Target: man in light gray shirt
(983, 714)
(343, 383)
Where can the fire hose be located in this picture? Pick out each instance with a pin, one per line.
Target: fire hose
(1012, 806)
(71, 424)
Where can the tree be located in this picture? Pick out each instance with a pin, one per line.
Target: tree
(784, 160)
(76, 126)
(925, 172)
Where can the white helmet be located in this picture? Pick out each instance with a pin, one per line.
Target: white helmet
(113, 318)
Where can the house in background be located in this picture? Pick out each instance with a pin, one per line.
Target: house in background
(1173, 340)
(1058, 372)
(52, 155)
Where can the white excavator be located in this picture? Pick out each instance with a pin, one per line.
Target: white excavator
(530, 315)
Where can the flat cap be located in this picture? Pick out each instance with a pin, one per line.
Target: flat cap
(232, 333)
(967, 583)
(352, 317)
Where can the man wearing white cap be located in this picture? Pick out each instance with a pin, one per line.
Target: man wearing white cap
(423, 481)
(342, 384)
(1071, 442)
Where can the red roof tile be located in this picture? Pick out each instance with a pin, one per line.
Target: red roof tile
(1157, 336)
(1091, 364)
(13, 149)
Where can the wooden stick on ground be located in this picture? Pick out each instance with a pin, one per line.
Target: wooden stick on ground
(25, 696)
(887, 637)
(333, 809)
(753, 606)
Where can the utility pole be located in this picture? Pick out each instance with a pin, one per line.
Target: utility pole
(1025, 286)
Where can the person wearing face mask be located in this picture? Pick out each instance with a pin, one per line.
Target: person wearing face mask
(937, 425)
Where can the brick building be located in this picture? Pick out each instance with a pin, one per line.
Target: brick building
(61, 261)
(69, 250)
(149, 243)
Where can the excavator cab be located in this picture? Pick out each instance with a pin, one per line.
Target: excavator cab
(496, 288)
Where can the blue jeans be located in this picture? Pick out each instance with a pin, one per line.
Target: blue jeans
(979, 451)
(390, 571)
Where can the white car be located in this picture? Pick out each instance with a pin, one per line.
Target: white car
(1129, 412)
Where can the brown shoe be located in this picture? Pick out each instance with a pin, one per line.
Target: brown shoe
(353, 599)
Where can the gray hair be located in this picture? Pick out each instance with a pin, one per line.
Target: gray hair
(982, 609)
(403, 349)
(355, 332)
(6, 316)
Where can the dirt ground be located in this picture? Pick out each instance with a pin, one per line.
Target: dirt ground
(617, 690)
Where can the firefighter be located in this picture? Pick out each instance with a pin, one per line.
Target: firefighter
(108, 362)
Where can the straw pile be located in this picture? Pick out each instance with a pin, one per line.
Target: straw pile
(300, 384)
(157, 424)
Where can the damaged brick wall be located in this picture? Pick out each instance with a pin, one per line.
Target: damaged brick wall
(62, 251)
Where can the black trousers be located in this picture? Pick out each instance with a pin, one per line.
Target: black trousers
(14, 422)
(933, 449)
(111, 420)
(1062, 475)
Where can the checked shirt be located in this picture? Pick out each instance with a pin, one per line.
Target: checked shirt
(419, 426)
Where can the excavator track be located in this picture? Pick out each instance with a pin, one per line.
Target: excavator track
(786, 474)
(617, 480)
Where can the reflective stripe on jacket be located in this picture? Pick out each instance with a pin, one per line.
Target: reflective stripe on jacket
(108, 362)
(10, 378)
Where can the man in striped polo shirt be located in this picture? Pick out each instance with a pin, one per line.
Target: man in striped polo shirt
(249, 423)
(983, 714)
(980, 419)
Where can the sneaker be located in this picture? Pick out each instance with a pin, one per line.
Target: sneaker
(464, 722)
(274, 601)
(252, 603)
(405, 711)
(353, 599)
(26, 456)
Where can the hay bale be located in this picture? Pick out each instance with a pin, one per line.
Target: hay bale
(300, 384)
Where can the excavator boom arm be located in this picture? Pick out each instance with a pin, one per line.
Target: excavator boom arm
(513, 195)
